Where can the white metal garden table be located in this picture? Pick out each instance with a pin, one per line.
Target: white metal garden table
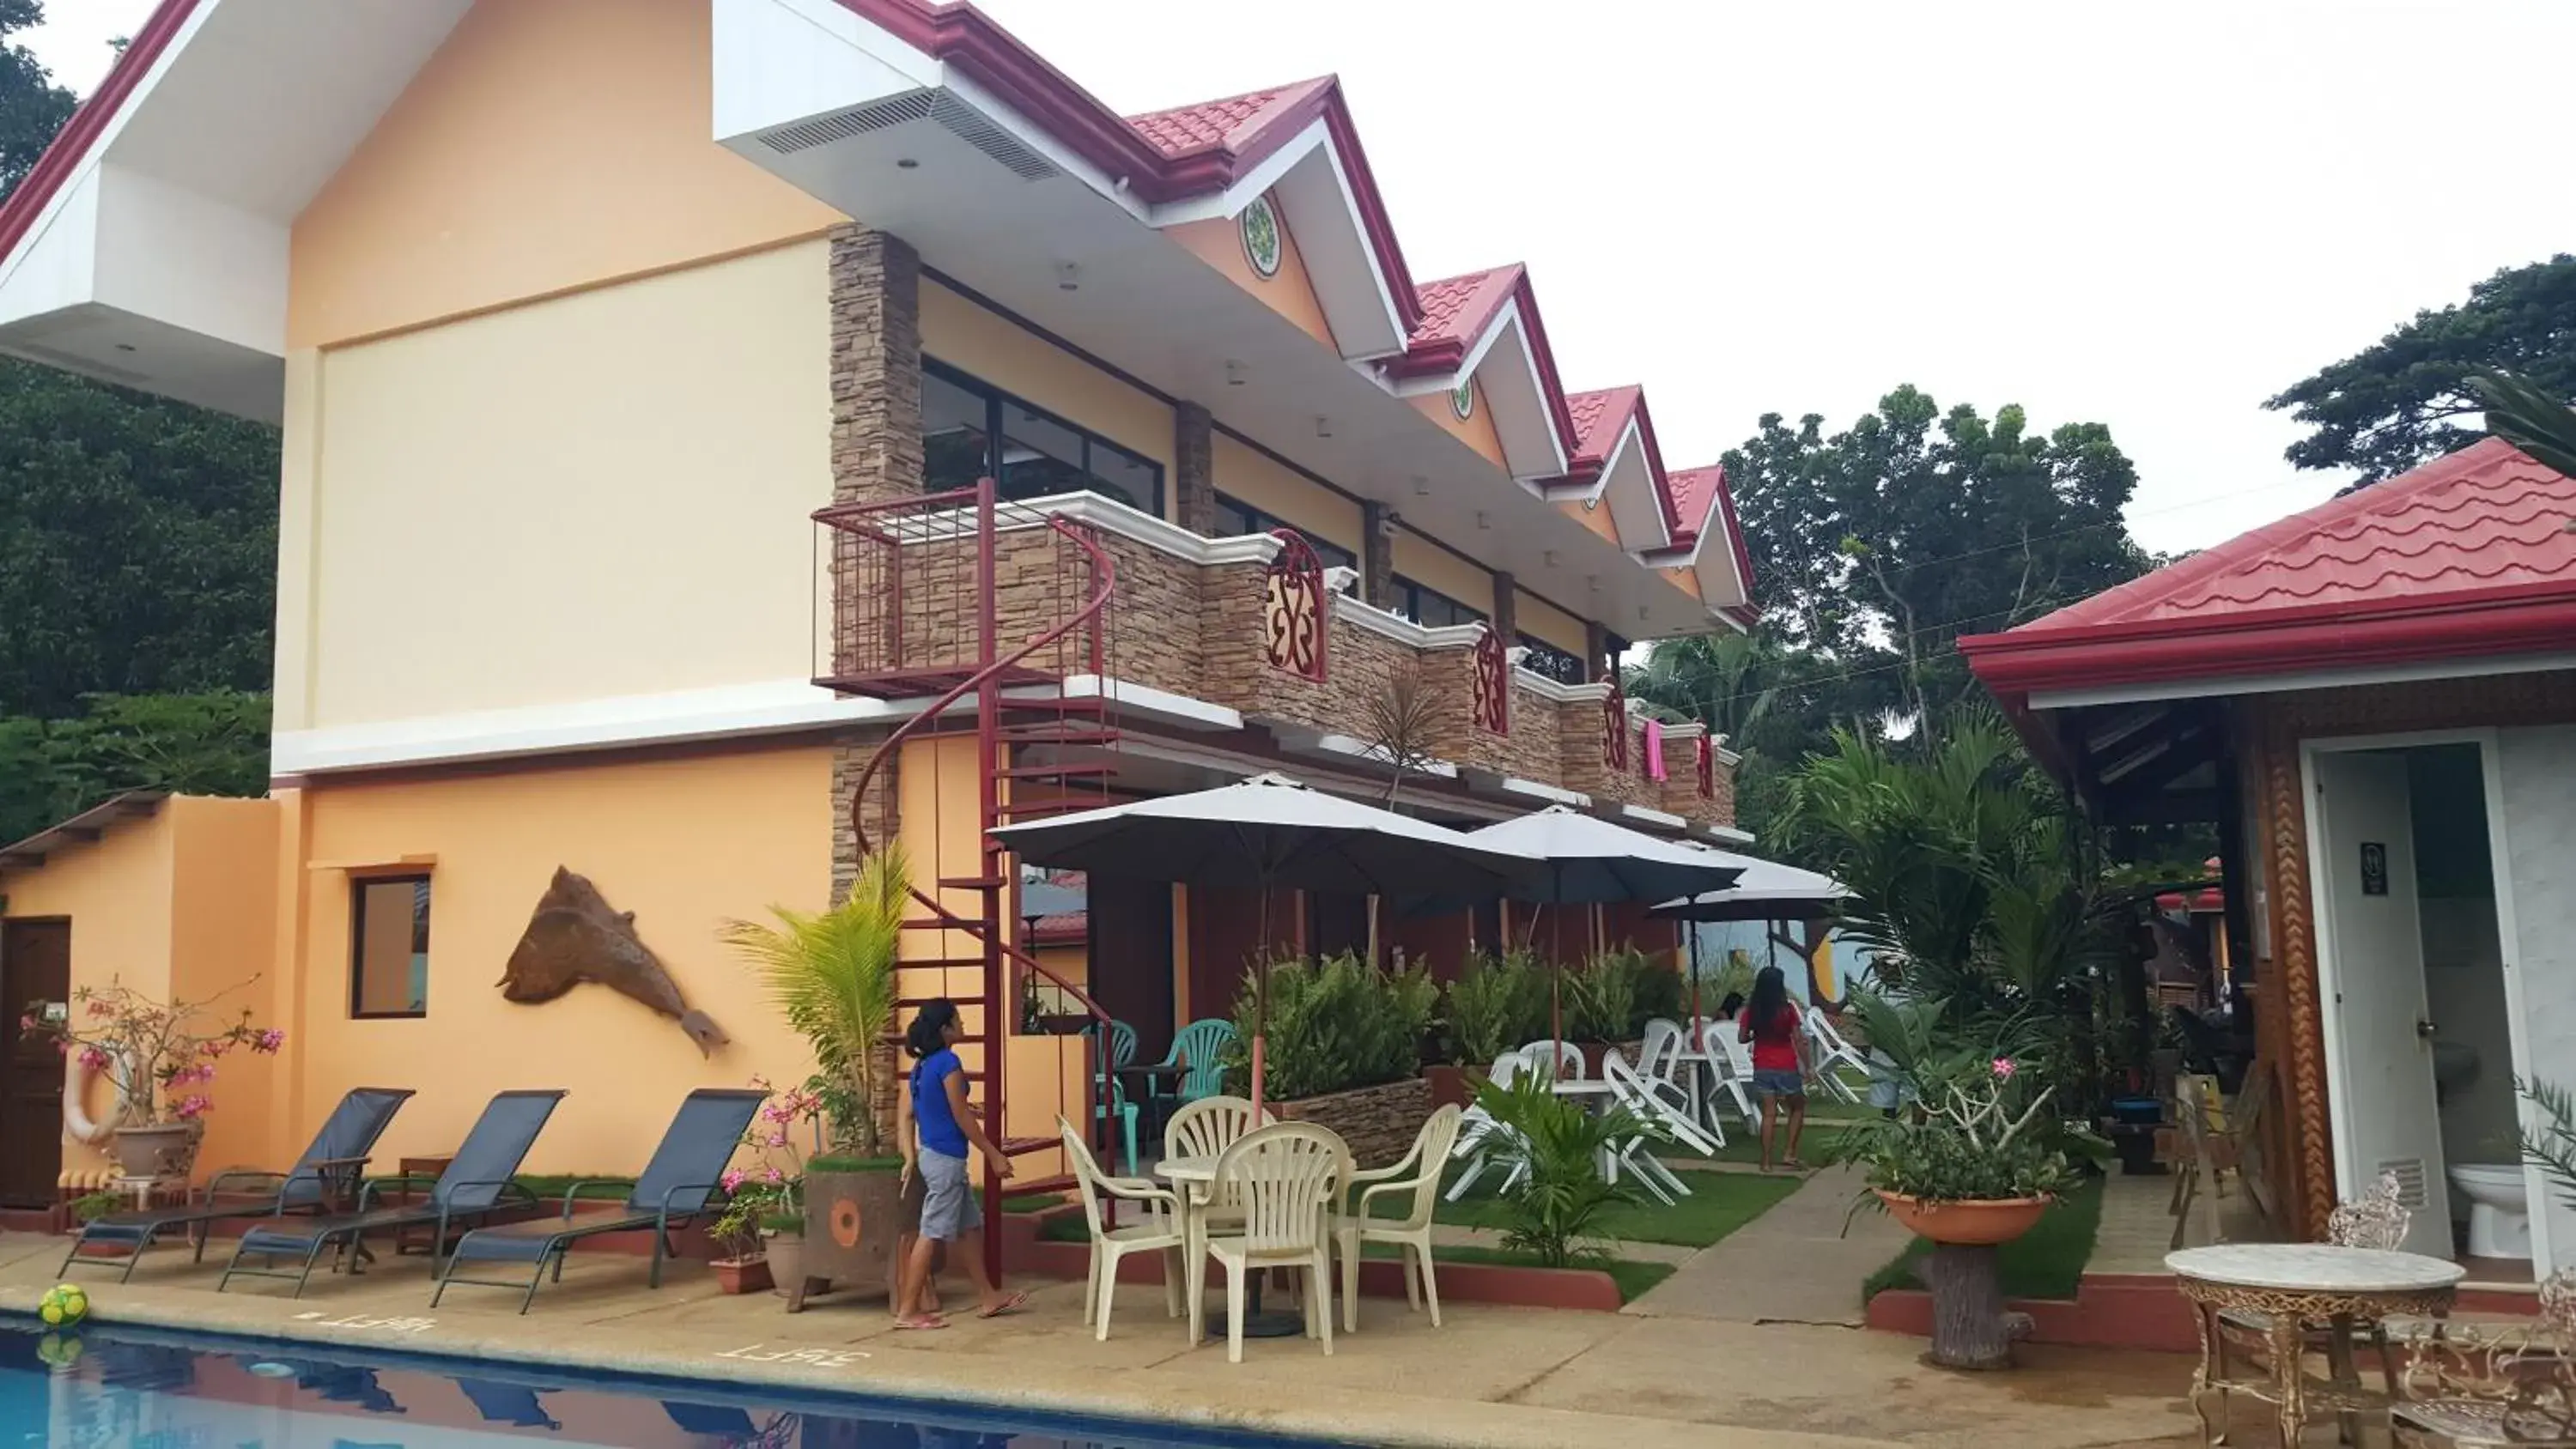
(2296, 1286)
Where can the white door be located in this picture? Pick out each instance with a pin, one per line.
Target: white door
(2373, 948)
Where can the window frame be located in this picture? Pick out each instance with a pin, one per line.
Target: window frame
(1410, 593)
(358, 886)
(1333, 554)
(996, 439)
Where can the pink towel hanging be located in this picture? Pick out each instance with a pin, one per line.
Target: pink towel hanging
(1654, 749)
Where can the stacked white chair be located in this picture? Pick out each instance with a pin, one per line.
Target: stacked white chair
(1735, 1065)
(1484, 1142)
(1833, 1054)
(1634, 1156)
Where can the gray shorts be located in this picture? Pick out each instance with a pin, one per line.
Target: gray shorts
(949, 1210)
(1779, 1084)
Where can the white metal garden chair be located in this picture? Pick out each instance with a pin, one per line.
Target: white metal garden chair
(1418, 1174)
(1160, 1231)
(1288, 1177)
(1485, 1142)
(1833, 1054)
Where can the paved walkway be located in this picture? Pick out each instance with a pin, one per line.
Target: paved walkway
(1496, 1378)
(1794, 1264)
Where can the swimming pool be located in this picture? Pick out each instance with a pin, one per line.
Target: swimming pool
(121, 1387)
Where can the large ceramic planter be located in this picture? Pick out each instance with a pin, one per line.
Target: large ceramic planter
(1967, 1223)
(852, 1218)
(786, 1254)
(158, 1152)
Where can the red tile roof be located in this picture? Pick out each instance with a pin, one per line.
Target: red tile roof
(1598, 418)
(1227, 121)
(1457, 310)
(2471, 554)
(1693, 490)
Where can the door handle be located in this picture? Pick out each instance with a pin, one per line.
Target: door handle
(2425, 1029)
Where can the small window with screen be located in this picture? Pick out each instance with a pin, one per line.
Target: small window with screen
(389, 946)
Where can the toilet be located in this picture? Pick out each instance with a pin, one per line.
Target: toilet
(2499, 1210)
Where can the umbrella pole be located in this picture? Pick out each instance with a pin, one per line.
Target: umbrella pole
(1699, 1034)
(1260, 997)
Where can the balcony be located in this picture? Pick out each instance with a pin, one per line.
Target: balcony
(1232, 632)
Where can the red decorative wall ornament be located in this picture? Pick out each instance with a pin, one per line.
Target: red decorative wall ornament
(1493, 685)
(1614, 728)
(1704, 762)
(1293, 629)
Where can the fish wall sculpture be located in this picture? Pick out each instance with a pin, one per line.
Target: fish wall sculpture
(575, 937)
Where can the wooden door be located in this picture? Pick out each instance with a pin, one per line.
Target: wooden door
(35, 965)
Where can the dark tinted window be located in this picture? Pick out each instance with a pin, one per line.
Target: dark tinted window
(1040, 454)
(1235, 518)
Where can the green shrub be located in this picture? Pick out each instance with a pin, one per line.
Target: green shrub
(1496, 1004)
(1560, 1199)
(1655, 991)
(1601, 997)
(90, 1207)
(1333, 1025)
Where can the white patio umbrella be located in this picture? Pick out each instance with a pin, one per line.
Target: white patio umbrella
(1591, 861)
(1269, 833)
(1767, 891)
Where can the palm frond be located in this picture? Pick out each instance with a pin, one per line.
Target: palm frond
(833, 973)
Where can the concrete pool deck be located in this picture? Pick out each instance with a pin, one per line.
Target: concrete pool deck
(1501, 1377)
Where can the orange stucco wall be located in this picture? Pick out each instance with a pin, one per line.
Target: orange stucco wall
(1218, 241)
(1476, 430)
(548, 145)
(1597, 518)
(685, 842)
(176, 905)
(1686, 580)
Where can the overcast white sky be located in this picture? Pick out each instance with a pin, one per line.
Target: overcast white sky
(2150, 216)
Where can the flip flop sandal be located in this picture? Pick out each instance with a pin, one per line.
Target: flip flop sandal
(918, 1325)
(1006, 1307)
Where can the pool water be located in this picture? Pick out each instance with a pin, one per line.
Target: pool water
(136, 1388)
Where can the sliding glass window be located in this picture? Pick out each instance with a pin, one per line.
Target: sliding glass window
(971, 430)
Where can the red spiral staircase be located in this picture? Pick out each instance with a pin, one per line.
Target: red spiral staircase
(919, 604)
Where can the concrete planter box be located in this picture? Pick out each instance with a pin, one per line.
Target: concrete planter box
(851, 1222)
(1378, 1122)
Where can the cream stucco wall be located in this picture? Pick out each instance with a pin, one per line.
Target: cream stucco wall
(1441, 571)
(548, 145)
(1245, 474)
(600, 494)
(1544, 621)
(966, 336)
(686, 842)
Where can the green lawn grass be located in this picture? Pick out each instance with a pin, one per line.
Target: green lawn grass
(1745, 1145)
(549, 1187)
(2042, 1263)
(1719, 1203)
(1033, 1202)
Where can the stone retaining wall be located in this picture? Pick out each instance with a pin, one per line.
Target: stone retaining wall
(1378, 1122)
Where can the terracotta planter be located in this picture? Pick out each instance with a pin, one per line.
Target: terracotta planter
(1973, 1222)
(742, 1275)
(1450, 1086)
(164, 1151)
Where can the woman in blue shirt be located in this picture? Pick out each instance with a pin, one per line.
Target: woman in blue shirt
(935, 1131)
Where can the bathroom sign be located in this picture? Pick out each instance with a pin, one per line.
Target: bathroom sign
(2374, 868)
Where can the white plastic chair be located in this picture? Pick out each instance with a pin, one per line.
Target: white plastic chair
(1288, 1177)
(1665, 1104)
(1481, 1138)
(1562, 1061)
(1160, 1232)
(1635, 1156)
(1833, 1054)
(1411, 1233)
(1665, 1059)
(1734, 1066)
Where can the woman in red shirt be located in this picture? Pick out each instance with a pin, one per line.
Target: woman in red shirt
(1771, 1022)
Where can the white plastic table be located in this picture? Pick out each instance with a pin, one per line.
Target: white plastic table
(2294, 1286)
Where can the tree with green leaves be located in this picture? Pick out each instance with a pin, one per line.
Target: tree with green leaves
(2409, 398)
(138, 556)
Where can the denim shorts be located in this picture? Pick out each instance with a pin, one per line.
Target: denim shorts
(949, 1210)
(1779, 1083)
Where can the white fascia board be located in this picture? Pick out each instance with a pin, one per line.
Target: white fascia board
(1341, 261)
(1660, 819)
(1731, 835)
(1628, 482)
(1180, 709)
(782, 61)
(1506, 321)
(1230, 202)
(1403, 630)
(1550, 794)
(1560, 693)
(2302, 679)
(1689, 731)
(55, 265)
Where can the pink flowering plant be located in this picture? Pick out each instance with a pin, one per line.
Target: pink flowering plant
(1972, 1122)
(765, 1188)
(161, 1057)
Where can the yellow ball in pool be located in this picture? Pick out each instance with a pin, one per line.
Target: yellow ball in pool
(63, 1305)
(60, 1350)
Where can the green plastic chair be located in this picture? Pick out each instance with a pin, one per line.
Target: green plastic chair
(1200, 1045)
(1112, 1097)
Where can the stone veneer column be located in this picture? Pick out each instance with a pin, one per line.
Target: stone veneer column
(1377, 555)
(1194, 468)
(876, 366)
(876, 456)
(1507, 611)
(1596, 652)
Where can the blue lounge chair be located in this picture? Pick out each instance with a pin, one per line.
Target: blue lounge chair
(682, 1181)
(478, 1182)
(327, 1174)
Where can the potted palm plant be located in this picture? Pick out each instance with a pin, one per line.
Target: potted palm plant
(833, 975)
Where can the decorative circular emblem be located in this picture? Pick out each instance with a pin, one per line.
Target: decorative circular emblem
(1591, 503)
(845, 1222)
(1261, 236)
(1462, 399)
